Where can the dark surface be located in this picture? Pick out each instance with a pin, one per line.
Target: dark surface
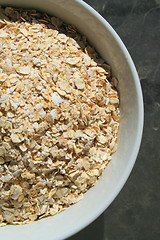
(135, 213)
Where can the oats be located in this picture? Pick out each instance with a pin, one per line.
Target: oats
(73, 61)
(20, 198)
(61, 192)
(33, 217)
(15, 191)
(39, 87)
(59, 116)
(8, 216)
(2, 161)
(14, 104)
(24, 70)
(114, 100)
(61, 92)
(43, 209)
(2, 23)
(3, 78)
(80, 84)
(32, 144)
(24, 31)
(57, 99)
(62, 37)
(15, 138)
(23, 147)
(52, 211)
(53, 114)
(73, 175)
(2, 151)
(102, 139)
(3, 34)
(6, 178)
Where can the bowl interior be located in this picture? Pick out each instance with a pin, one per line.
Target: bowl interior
(108, 44)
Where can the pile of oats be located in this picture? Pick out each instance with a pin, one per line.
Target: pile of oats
(59, 115)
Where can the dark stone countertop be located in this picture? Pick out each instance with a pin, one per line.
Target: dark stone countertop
(135, 213)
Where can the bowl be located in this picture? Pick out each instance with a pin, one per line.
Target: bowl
(108, 44)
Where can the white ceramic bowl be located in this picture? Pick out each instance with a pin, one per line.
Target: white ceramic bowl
(97, 199)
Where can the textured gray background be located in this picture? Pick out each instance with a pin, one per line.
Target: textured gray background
(135, 213)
